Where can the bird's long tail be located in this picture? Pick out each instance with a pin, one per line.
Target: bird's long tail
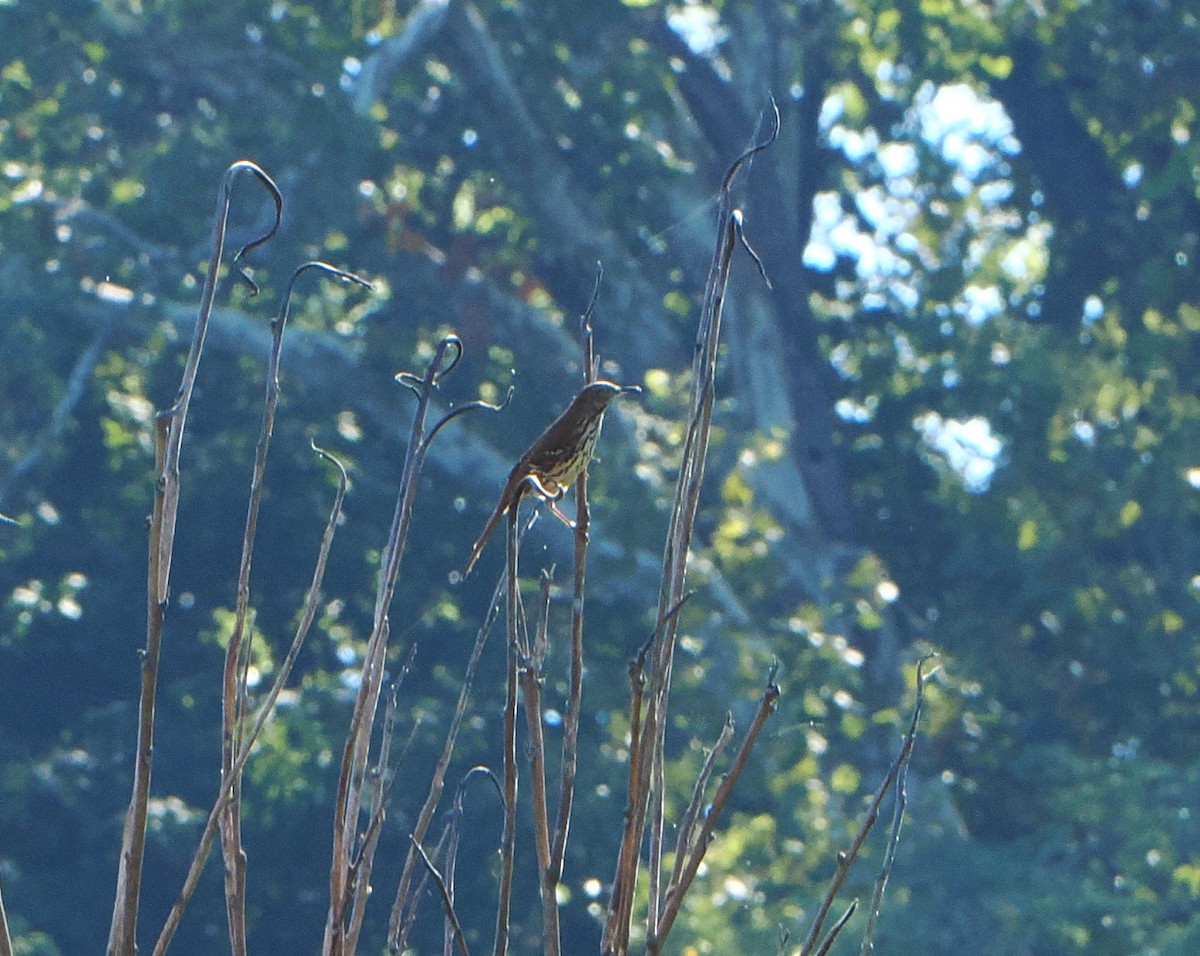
(477, 548)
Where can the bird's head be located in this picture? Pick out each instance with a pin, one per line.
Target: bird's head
(598, 395)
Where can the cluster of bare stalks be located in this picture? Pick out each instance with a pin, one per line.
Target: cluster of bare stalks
(366, 772)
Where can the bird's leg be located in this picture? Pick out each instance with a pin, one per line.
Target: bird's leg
(560, 516)
(551, 497)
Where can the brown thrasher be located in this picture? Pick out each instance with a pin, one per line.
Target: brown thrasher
(556, 458)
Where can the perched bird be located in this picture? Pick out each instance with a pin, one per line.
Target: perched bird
(556, 458)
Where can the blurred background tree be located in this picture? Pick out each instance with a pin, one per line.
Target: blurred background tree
(964, 418)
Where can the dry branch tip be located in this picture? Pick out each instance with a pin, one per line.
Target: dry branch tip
(736, 165)
(585, 320)
(325, 267)
(477, 405)
(330, 457)
(739, 227)
(837, 927)
(478, 770)
(276, 197)
(444, 893)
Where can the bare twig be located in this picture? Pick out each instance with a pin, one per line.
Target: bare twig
(648, 749)
(358, 739)
(176, 415)
(531, 676)
(626, 878)
(846, 858)
(170, 424)
(836, 928)
(591, 362)
(901, 801)
(237, 658)
(6, 946)
(509, 837)
(552, 868)
(673, 897)
(447, 900)
(405, 901)
(450, 840)
(311, 604)
(683, 839)
(381, 792)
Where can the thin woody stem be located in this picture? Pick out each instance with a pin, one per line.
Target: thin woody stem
(570, 746)
(169, 431)
(675, 892)
(647, 752)
(237, 656)
(6, 946)
(358, 739)
(310, 612)
(846, 858)
(531, 676)
(403, 908)
(509, 837)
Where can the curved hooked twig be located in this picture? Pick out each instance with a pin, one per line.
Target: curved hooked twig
(342, 274)
(276, 196)
(591, 364)
(585, 320)
(447, 342)
(469, 407)
(439, 368)
(329, 456)
(417, 384)
(410, 381)
(754, 150)
(466, 778)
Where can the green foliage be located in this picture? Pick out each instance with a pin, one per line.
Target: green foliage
(1003, 307)
(1117, 829)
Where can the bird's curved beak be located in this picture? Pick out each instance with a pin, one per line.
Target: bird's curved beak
(631, 390)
